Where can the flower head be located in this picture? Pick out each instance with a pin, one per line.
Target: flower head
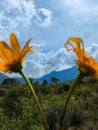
(11, 58)
(87, 65)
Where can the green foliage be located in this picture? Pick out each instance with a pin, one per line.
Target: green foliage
(11, 103)
(64, 87)
(10, 81)
(44, 83)
(54, 80)
(18, 109)
(4, 121)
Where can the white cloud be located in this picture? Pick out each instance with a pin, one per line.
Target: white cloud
(42, 63)
(82, 11)
(80, 6)
(43, 17)
(18, 12)
(16, 15)
(93, 51)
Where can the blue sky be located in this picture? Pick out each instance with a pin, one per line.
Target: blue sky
(51, 23)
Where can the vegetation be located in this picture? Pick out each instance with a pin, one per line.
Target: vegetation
(18, 110)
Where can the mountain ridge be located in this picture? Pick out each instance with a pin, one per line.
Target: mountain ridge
(3, 77)
(63, 75)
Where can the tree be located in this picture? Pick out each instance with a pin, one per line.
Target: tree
(45, 82)
(54, 80)
(10, 81)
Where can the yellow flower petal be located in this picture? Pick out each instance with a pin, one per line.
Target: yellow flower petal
(11, 58)
(78, 41)
(2, 67)
(15, 45)
(26, 49)
(86, 63)
(6, 52)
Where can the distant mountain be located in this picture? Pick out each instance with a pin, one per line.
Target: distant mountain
(21, 80)
(2, 77)
(64, 75)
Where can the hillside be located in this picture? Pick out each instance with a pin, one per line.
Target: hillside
(64, 75)
(19, 111)
(2, 77)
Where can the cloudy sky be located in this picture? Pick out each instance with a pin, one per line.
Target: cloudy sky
(51, 23)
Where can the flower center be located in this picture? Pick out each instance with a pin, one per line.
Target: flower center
(15, 66)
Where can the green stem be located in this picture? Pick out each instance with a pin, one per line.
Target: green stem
(76, 81)
(36, 98)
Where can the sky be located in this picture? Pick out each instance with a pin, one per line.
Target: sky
(51, 23)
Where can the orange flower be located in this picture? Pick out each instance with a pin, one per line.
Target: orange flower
(11, 58)
(86, 63)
